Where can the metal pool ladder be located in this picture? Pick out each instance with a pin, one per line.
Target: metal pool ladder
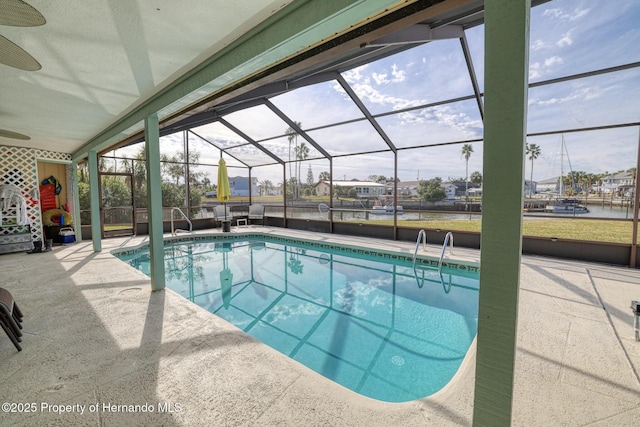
(448, 238)
(175, 231)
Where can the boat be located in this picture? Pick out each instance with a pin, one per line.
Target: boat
(564, 205)
(384, 209)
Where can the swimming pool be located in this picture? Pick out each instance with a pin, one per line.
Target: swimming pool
(363, 319)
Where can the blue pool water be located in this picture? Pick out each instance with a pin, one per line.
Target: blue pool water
(371, 323)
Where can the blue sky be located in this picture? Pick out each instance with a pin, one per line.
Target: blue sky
(567, 37)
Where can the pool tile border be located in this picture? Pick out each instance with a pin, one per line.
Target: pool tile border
(338, 247)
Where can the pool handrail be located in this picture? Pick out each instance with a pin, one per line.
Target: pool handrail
(445, 286)
(175, 231)
(448, 238)
(422, 233)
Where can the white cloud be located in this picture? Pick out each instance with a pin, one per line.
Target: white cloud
(554, 60)
(368, 93)
(537, 70)
(555, 13)
(578, 13)
(380, 78)
(446, 117)
(534, 71)
(355, 74)
(566, 40)
(582, 93)
(563, 15)
(538, 45)
(398, 75)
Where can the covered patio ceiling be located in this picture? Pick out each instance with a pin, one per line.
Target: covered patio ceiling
(83, 77)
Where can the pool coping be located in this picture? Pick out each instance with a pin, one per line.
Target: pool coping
(425, 261)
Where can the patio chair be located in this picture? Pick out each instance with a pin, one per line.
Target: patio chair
(256, 212)
(220, 212)
(10, 318)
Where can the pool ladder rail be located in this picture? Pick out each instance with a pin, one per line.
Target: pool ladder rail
(448, 239)
(176, 231)
(422, 235)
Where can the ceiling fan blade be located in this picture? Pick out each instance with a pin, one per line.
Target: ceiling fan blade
(13, 135)
(20, 14)
(14, 56)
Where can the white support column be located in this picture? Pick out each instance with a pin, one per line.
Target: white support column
(506, 80)
(96, 230)
(154, 195)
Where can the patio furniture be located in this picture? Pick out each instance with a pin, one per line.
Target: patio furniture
(240, 213)
(256, 212)
(222, 214)
(10, 318)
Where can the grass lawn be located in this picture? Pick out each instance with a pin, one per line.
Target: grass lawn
(114, 227)
(578, 229)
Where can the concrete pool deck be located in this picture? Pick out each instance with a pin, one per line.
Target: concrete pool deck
(95, 334)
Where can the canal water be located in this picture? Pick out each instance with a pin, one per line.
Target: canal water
(595, 211)
(598, 211)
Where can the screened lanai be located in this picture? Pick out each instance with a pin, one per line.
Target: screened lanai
(398, 110)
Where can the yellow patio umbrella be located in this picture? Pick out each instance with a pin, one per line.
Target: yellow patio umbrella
(224, 191)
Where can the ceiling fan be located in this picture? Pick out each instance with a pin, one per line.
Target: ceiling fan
(17, 13)
(13, 135)
(20, 14)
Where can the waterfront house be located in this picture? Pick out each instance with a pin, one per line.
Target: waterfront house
(240, 186)
(549, 185)
(363, 188)
(620, 183)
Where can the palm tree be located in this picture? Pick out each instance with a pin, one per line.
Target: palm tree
(292, 136)
(266, 186)
(533, 150)
(467, 149)
(83, 172)
(310, 180)
(591, 179)
(302, 152)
